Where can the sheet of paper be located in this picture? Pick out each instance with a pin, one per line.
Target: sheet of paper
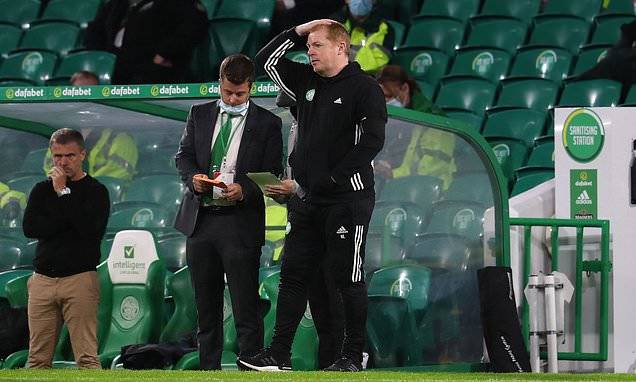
(263, 179)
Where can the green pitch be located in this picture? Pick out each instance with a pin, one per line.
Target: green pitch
(187, 376)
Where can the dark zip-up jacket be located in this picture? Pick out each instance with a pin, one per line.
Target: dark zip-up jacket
(341, 123)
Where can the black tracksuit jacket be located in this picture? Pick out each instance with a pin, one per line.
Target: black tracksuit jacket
(341, 123)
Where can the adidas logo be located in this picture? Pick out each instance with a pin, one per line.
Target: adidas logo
(341, 231)
(584, 198)
(339, 100)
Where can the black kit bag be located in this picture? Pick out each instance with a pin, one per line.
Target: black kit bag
(500, 321)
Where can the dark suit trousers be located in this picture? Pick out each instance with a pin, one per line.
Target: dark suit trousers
(213, 249)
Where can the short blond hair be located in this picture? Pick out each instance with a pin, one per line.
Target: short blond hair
(336, 32)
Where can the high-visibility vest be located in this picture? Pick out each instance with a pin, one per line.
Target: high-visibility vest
(368, 48)
(275, 216)
(114, 155)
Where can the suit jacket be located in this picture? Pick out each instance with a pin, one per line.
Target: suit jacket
(261, 150)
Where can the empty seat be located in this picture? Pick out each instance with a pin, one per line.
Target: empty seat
(9, 38)
(422, 64)
(165, 190)
(441, 33)
(522, 124)
(459, 217)
(510, 153)
(444, 251)
(56, 36)
(145, 215)
(542, 155)
(529, 178)
(401, 220)
(463, 93)
(96, 61)
(607, 28)
(211, 6)
(25, 183)
(475, 186)
(489, 63)
(19, 12)
(33, 162)
(534, 93)
(521, 9)
(588, 57)
(259, 11)
(399, 30)
(115, 186)
(471, 119)
(418, 189)
(497, 32)
(80, 12)
(36, 66)
(458, 9)
(586, 9)
(381, 251)
(591, 93)
(400, 10)
(184, 319)
(172, 250)
(549, 62)
(568, 32)
(630, 98)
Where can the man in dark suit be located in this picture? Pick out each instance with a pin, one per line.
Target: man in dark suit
(224, 140)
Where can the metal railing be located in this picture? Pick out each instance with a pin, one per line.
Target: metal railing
(602, 265)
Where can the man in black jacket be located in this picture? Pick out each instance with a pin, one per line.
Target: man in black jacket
(67, 214)
(153, 39)
(341, 119)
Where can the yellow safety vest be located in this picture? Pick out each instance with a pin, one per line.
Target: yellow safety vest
(114, 156)
(275, 215)
(430, 152)
(369, 50)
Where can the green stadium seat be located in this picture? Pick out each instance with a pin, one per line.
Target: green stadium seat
(441, 33)
(99, 62)
(81, 12)
(511, 154)
(588, 57)
(144, 215)
(19, 12)
(607, 28)
(418, 189)
(458, 217)
(399, 31)
(465, 93)
(259, 11)
(184, 319)
(16, 83)
(11, 250)
(165, 190)
(172, 250)
(157, 160)
(422, 64)
(591, 93)
(25, 183)
(130, 304)
(36, 66)
(33, 162)
(522, 124)
(542, 155)
(568, 32)
(618, 6)
(585, 9)
(398, 298)
(529, 178)
(382, 252)
(56, 36)
(520, 9)
(427, 89)
(475, 186)
(533, 93)
(401, 220)
(497, 32)
(9, 38)
(457, 9)
(549, 62)
(471, 119)
(445, 252)
(225, 36)
(489, 63)
(211, 6)
(115, 186)
(630, 98)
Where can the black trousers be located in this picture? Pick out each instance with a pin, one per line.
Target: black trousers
(213, 250)
(336, 235)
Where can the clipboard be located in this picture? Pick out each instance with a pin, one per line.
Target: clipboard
(263, 179)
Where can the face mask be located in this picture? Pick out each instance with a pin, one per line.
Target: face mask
(395, 102)
(360, 8)
(234, 110)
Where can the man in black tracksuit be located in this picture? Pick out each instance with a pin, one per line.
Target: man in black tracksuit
(341, 119)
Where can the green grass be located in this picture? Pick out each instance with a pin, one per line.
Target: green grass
(66, 375)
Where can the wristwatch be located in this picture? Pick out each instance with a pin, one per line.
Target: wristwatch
(64, 191)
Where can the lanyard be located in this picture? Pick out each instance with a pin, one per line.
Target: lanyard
(226, 147)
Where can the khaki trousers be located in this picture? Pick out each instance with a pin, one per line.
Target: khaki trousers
(72, 300)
